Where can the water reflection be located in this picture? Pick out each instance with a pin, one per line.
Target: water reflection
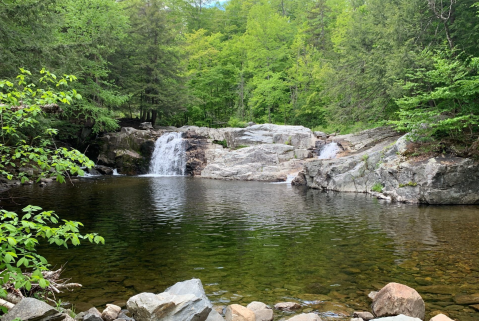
(257, 241)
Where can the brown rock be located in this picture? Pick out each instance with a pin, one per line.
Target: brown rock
(306, 317)
(441, 317)
(467, 299)
(366, 316)
(475, 307)
(111, 312)
(287, 306)
(236, 312)
(395, 299)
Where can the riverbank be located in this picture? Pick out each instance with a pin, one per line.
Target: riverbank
(187, 301)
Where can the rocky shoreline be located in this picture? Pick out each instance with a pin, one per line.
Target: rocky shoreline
(187, 301)
(373, 161)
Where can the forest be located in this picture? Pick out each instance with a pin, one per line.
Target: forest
(332, 65)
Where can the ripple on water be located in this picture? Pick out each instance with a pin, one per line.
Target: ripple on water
(254, 241)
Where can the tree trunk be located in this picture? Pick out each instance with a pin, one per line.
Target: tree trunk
(154, 115)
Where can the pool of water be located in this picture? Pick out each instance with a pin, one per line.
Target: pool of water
(257, 241)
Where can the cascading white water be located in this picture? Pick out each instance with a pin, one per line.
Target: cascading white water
(329, 151)
(169, 156)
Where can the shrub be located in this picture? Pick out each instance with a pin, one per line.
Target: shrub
(19, 237)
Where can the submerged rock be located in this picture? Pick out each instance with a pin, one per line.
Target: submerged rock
(398, 318)
(395, 299)
(306, 317)
(287, 306)
(466, 299)
(366, 316)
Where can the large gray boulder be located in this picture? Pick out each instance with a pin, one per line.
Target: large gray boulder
(193, 286)
(268, 162)
(30, 309)
(396, 299)
(184, 301)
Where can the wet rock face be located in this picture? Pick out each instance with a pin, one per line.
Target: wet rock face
(129, 150)
(196, 146)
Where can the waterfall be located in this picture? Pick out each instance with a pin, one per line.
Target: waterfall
(329, 151)
(169, 156)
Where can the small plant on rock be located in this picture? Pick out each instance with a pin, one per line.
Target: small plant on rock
(377, 188)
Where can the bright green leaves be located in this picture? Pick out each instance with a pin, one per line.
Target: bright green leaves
(19, 237)
(442, 98)
(23, 122)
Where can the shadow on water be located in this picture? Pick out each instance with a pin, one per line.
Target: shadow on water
(255, 241)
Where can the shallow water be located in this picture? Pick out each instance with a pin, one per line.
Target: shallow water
(257, 241)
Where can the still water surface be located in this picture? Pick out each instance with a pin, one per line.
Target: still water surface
(257, 241)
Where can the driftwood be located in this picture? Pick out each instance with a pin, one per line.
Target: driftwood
(49, 108)
(57, 285)
(6, 304)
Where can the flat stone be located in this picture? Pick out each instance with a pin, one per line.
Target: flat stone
(356, 319)
(366, 316)
(441, 317)
(32, 309)
(287, 306)
(395, 299)
(306, 317)
(236, 312)
(467, 299)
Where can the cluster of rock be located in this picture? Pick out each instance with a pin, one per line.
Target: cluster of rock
(187, 301)
(259, 152)
(373, 162)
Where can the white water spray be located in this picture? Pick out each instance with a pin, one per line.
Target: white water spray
(169, 156)
(329, 151)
